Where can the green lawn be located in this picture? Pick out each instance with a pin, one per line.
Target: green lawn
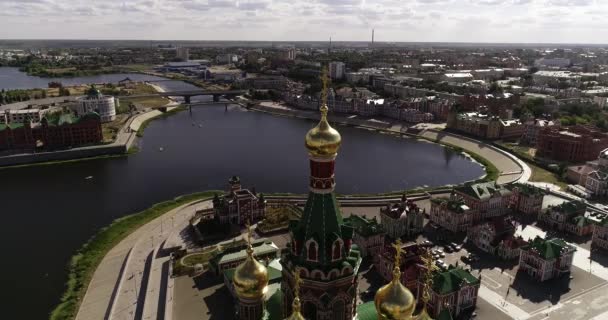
(542, 175)
(85, 261)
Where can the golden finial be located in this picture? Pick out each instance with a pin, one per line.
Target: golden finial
(323, 140)
(296, 305)
(429, 264)
(398, 245)
(324, 92)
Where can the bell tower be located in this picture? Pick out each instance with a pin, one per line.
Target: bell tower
(320, 251)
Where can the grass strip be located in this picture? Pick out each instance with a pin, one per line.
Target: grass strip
(84, 263)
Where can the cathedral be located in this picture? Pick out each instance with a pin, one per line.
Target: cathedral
(320, 265)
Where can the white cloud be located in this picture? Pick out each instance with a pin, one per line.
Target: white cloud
(394, 20)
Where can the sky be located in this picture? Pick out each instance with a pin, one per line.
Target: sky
(518, 21)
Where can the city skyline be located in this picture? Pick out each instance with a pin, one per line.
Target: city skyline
(484, 21)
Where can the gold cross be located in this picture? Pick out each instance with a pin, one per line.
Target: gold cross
(429, 263)
(398, 251)
(325, 81)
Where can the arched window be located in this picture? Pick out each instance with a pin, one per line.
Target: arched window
(337, 250)
(312, 251)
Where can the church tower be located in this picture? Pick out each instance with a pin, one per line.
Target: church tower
(320, 251)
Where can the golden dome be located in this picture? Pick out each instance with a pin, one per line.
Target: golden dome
(295, 314)
(323, 140)
(423, 315)
(250, 278)
(394, 301)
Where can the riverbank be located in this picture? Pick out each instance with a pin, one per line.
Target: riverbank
(85, 262)
(500, 165)
(125, 140)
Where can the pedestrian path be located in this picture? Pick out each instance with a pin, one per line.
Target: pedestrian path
(114, 289)
(499, 302)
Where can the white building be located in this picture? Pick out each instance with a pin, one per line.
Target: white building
(227, 58)
(94, 101)
(336, 70)
(552, 62)
(457, 77)
(20, 115)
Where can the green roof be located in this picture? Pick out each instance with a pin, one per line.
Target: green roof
(483, 191)
(451, 280)
(548, 248)
(363, 226)
(570, 207)
(445, 314)
(367, 311)
(581, 221)
(527, 189)
(322, 221)
(457, 205)
(59, 118)
(10, 125)
(274, 306)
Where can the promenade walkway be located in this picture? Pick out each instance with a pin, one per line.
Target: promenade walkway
(120, 283)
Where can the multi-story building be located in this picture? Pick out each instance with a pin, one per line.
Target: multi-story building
(571, 144)
(526, 199)
(499, 105)
(454, 290)
(94, 101)
(182, 53)
(336, 70)
(496, 236)
(451, 213)
(544, 259)
(239, 206)
(532, 129)
(552, 62)
(600, 235)
(562, 217)
(226, 58)
(22, 115)
(369, 235)
(266, 82)
(487, 199)
(54, 131)
(485, 126)
(402, 219)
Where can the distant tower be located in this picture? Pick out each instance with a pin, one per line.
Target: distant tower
(329, 49)
(373, 37)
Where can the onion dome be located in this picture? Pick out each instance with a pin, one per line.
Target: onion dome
(323, 140)
(394, 301)
(250, 278)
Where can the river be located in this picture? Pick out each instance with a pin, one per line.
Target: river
(50, 211)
